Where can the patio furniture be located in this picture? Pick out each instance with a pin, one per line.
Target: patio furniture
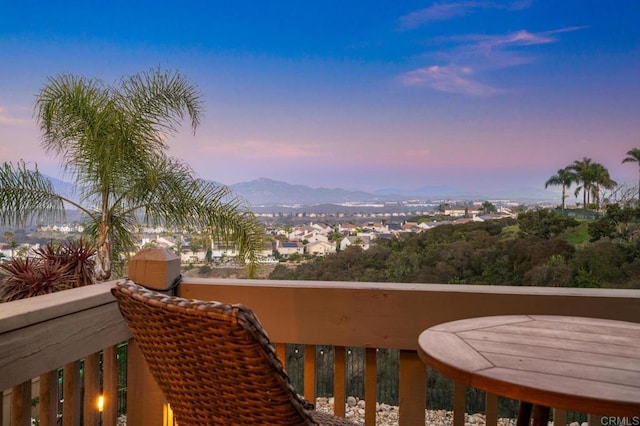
(571, 363)
(213, 361)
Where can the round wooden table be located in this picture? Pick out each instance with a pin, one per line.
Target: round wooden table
(572, 363)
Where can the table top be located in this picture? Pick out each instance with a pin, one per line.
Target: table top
(572, 363)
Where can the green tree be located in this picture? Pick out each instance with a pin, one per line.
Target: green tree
(544, 223)
(591, 176)
(633, 156)
(584, 177)
(488, 207)
(563, 177)
(10, 238)
(111, 139)
(601, 179)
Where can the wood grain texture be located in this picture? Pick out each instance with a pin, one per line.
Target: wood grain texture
(339, 384)
(390, 315)
(412, 392)
(571, 363)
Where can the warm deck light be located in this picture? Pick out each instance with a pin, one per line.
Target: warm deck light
(167, 415)
(101, 403)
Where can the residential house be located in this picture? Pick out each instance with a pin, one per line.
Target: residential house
(347, 229)
(189, 256)
(364, 242)
(320, 248)
(266, 252)
(461, 211)
(287, 248)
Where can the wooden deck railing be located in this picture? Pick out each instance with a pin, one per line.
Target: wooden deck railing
(41, 335)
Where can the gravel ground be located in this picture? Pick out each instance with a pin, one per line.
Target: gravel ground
(387, 415)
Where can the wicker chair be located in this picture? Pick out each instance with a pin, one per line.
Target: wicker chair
(213, 362)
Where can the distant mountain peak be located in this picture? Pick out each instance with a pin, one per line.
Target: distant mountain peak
(269, 191)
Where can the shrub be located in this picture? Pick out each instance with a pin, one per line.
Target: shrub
(544, 223)
(51, 268)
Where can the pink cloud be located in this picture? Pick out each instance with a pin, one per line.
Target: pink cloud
(450, 79)
(444, 11)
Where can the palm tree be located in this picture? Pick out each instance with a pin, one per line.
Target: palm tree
(584, 175)
(564, 177)
(601, 179)
(633, 156)
(111, 141)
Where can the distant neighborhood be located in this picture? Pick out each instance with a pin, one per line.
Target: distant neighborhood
(283, 242)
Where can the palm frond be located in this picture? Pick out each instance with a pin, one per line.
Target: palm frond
(163, 99)
(26, 195)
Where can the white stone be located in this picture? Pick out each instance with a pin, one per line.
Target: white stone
(351, 401)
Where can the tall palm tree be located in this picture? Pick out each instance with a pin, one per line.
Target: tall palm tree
(633, 156)
(111, 139)
(601, 179)
(564, 177)
(584, 177)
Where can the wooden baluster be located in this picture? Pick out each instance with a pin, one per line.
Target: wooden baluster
(145, 401)
(524, 413)
(540, 415)
(48, 407)
(458, 403)
(491, 409)
(596, 420)
(281, 353)
(310, 373)
(339, 391)
(370, 388)
(559, 417)
(110, 385)
(71, 387)
(413, 389)
(91, 389)
(21, 404)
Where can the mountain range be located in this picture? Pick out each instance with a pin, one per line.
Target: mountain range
(265, 192)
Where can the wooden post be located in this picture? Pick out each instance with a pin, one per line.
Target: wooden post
(156, 268)
(310, 373)
(281, 353)
(596, 420)
(71, 386)
(370, 386)
(559, 417)
(91, 389)
(110, 385)
(21, 404)
(459, 391)
(48, 407)
(145, 401)
(339, 391)
(491, 409)
(413, 389)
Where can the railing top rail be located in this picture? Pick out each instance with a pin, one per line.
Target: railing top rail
(423, 287)
(41, 334)
(21, 313)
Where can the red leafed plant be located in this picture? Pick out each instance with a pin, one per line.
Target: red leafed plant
(51, 268)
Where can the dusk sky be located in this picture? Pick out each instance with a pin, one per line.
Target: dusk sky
(354, 94)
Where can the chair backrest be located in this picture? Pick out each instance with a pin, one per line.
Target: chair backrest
(213, 361)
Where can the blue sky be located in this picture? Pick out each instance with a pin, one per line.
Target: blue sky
(361, 95)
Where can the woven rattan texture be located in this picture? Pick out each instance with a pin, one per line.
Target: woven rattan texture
(213, 361)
